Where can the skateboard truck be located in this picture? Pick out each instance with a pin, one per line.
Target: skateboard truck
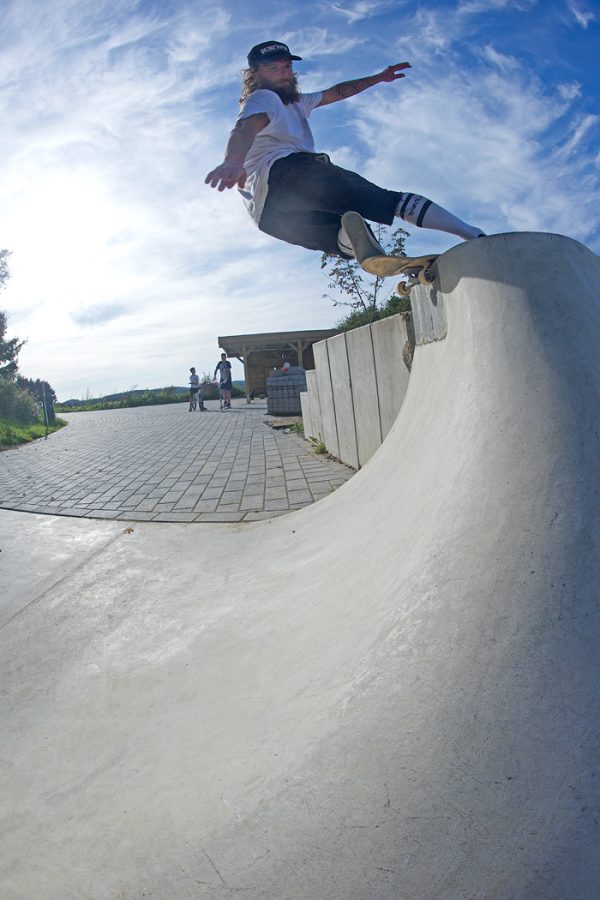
(416, 276)
(418, 269)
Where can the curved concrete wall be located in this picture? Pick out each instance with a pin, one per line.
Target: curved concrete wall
(390, 694)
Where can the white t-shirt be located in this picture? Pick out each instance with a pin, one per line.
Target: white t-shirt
(224, 368)
(288, 132)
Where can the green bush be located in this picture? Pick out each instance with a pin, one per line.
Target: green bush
(17, 404)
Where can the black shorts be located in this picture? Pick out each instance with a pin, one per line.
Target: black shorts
(307, 196)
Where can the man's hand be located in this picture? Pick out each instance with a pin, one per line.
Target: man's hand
(227, 175)
(231, 172)
(391, 73)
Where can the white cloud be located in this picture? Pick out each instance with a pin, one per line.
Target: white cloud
(570, 91)
(578, 132)
(430, 31)
(499, 60)
(313, 42)
(474, 7)
(361, 9)
(582, 14)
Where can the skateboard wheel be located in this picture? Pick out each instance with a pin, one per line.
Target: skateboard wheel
(403, 288)
(426, 276)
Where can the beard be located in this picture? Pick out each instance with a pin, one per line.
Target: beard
(287, 93)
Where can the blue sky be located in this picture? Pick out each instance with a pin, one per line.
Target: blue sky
(125, 267)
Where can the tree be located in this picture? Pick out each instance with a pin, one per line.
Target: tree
(4, 254)
(367, 295)
(40, 389)
(9, 350)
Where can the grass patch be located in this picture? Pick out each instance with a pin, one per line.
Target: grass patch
(14, 433)
(318, 444)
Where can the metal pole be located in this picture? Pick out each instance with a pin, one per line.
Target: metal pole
(45, 410)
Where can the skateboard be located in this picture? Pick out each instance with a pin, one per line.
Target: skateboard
(418, 269)
(222, 405)
(196, 402)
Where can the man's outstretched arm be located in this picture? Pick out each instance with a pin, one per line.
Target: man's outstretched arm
(231, 172)
(349, 88)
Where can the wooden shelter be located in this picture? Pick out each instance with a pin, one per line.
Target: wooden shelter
(260, 354)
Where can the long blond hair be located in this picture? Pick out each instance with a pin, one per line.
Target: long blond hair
(249, 83)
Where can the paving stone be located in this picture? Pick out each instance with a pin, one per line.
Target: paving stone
(317, 496)
(292, 472)
(299, 497)
(194, 492)
(175, 517)
(275, 493)
(235, 484)
(255, 479)
(205, 506)
(297, 484)
(220, 517)
(277, 504)
(212, 493)
(218, 481)
(252, 501)
(231, 496)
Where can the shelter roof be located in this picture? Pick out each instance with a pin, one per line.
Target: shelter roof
(238, 344)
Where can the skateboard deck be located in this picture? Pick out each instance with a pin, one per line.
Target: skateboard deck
(417, 268)
(401, 265)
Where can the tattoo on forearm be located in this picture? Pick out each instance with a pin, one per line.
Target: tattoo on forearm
(350, 88)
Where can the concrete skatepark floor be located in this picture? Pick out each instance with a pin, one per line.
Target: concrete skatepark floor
(391, 694)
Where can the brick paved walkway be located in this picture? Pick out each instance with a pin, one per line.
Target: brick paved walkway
(165, 464)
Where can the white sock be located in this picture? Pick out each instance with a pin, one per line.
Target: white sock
(344, 243)
(424, 213)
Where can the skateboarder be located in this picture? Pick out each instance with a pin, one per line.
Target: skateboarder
(224, 369)
(296, 194)
(194, 389)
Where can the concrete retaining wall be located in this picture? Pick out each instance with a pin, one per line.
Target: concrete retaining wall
(357, 388)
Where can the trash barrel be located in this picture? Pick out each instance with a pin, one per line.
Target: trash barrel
(283, 392)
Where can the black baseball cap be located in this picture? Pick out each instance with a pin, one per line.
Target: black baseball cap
(269, 51)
